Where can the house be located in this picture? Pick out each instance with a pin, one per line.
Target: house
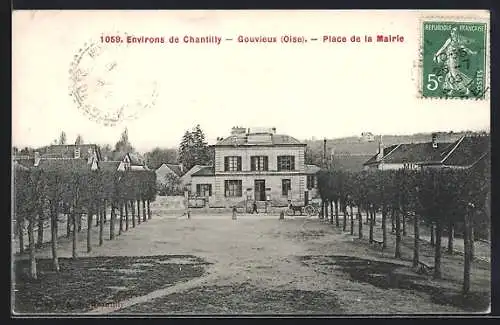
(367, 136)
(462, 153)
(132, 161)
(255, 165)
(186, 177)
(168, 169)
(74, 151)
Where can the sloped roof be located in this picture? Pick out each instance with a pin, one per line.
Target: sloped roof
(176, 168)
(276, 139)
(386, 150)
(205, 171)
(108, 165)
(417, 152)
(136, 159)
(468, 151)
(68, 151)
(63, 164)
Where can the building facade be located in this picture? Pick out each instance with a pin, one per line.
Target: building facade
(255, 165)
(462, 153)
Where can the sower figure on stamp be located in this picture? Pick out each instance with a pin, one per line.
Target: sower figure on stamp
(449, 54)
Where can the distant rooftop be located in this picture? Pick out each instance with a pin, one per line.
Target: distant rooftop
(256, 136)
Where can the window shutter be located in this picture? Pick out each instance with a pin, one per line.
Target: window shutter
(292, 163)
(239, 164)
(252, 164)
(226, 164)
(210, 190)
(265, 163)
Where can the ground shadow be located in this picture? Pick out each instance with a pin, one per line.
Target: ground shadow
(90, 282)
(387, 275)
(241, 298)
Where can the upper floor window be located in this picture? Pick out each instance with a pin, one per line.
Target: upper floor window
(232, 164)
(259, 163)
(286, 163)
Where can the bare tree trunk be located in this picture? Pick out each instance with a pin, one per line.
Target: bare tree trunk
(126, 215)
(75, 233)
(149, 210)
(451, 235)
(89, 228)
(39, 231)
(132, 206)
(143, 210)
(397, 216)
(53, 228)
(101, 224)
(112, 221)
(20, 233)
(139, 211)
(371, 225)
(437, 253)
(68, 225)
(368, 217)
(467, 251)
(404, 223)
(416, 243)
(433, 240)
(337, 214)
(393, 220)
(352, 219)
(79, 222)
(104, 210)
(374, 213)
(121, 217)
(344, 225)
(472, 239)
(360, 223)
(331, 212)
(384, 227)
(31, 233)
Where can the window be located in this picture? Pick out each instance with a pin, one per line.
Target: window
(286, 163)
(258, 163)
(286, 186)
(311, 182)
(232, 164)
(232, 188)
(204, 189)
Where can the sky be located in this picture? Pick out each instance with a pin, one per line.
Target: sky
(306, 90)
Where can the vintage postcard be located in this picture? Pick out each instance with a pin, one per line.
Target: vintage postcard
(250, 162)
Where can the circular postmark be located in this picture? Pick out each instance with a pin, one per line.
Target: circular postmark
(107, 83)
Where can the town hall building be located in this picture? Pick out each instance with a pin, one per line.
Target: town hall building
(256, 165)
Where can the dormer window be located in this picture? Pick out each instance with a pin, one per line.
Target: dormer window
(77, 152)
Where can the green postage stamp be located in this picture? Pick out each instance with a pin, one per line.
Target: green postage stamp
(454, 62)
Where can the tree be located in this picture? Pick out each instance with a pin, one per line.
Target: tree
(171, 185)
(79, 140)
(193, 149)
(106, 152)
(158, 156)
(62, 138)
(123, 146)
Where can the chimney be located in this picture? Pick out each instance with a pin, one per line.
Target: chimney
(37, 159)
(380, 153)
(274, 130)
(434, 140)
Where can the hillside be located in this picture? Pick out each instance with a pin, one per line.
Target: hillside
(358, 146)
